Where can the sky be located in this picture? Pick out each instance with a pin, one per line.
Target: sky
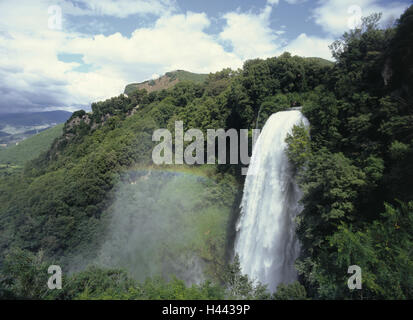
(65, 54)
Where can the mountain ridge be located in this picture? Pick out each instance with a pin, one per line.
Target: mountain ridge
(168, 80)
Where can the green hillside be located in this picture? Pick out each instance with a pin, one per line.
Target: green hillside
(31, 147)
(183, 75)
(166, 81)
(321, 61)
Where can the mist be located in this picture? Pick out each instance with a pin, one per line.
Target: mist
(158, 224)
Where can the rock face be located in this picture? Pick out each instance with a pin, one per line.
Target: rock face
(76, 121)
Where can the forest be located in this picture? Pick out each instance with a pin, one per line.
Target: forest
(354, 165)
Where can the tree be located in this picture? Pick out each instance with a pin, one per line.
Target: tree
(25, 274)
(239, 286)
(293, 291)
(299, 146)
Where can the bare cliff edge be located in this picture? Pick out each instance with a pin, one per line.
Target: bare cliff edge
(166, 81)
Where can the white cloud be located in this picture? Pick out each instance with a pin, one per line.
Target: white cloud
(32, 77)
(175, 42)
(250, 34)
(42, 80)
(295, 1)
(334, 15)
(309, 46)
(118, 8)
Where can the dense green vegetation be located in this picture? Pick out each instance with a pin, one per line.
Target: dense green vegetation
(357, 178)
(355, 171)
(26, 274)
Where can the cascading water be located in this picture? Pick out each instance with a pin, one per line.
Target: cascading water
(266, 242)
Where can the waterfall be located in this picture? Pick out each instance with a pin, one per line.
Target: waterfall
(266, 241)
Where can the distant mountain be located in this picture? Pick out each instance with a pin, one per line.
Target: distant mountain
(34, 118)
(31, 147)
(15, 127)
(166, 81)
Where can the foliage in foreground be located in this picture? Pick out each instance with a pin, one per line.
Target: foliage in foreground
(24, 276)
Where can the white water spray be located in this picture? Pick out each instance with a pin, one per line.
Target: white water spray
(266, 241)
